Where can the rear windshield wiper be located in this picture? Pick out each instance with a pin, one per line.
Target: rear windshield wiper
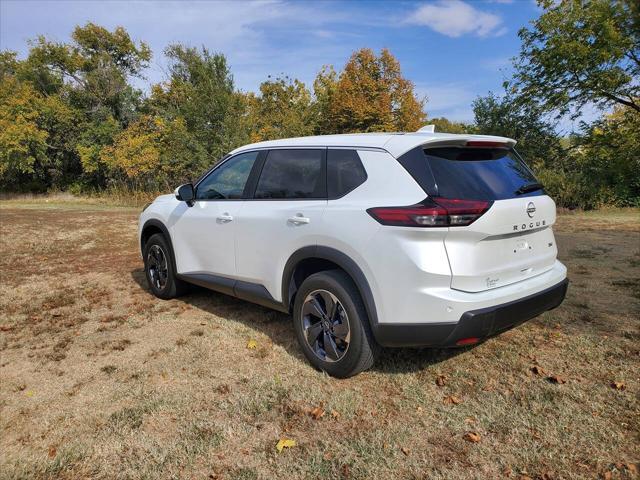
(529, 187)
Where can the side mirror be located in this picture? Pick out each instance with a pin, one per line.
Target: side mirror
(185, 193)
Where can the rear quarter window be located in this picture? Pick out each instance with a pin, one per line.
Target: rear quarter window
(344, 172)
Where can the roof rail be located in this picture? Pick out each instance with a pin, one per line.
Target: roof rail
(428, 129)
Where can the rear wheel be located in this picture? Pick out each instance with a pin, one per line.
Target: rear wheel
(158, 267)
(332, 325)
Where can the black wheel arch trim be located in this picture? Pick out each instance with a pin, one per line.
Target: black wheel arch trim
(343, 261)
(153, 222)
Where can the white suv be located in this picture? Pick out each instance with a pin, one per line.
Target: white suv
(368, 240)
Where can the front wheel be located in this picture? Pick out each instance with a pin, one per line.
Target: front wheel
(158, 267)
(332, 325)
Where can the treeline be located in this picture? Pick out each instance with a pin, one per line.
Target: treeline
(71, 118)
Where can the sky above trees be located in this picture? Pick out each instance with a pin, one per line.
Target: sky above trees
(452, 50)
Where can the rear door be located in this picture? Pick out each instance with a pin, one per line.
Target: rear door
(284, 215)
(513, 240)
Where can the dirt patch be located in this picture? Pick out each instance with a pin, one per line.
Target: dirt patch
(100, 379)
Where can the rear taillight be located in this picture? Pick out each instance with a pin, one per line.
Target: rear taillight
(432, 212)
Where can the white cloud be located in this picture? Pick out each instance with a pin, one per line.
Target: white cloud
(452, 101)
(455, 18)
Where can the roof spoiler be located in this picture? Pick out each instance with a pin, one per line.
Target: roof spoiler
(427, 129)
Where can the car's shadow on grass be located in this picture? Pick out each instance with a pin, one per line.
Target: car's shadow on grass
(277, 326)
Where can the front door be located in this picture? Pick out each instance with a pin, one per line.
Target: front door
(203, 234)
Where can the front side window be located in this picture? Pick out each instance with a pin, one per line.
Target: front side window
(292, 174)
(227, 182)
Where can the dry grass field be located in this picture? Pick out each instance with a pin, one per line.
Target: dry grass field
(99, 379)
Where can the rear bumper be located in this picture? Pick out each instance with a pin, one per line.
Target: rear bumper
(481, 323)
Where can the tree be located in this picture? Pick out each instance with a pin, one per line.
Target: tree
(324, 90)
(523, 121)
(200, 91)
(36, 134)
(608, 157)
(154, 153)
(284, 108)
(94, 69)
(370, 95)
(444, 125)
(581, 52)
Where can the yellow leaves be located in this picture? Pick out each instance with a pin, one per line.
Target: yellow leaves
(135, 150)
(285, 443)
(371, 95)
(618, 385)
(252, 344)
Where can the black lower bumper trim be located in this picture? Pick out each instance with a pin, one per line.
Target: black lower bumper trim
(481, 323)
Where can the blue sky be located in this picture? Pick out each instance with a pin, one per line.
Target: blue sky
(453, 50)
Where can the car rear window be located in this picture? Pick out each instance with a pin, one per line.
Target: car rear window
(479, 173)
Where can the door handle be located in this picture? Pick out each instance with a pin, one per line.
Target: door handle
(299, 219)
(225, 218)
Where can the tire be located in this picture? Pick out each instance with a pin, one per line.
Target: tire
(338, 358)
(163, 285)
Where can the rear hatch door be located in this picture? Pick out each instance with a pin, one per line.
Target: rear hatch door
(513, 240)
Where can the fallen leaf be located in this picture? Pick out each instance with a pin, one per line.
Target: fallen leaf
(472, 437)
(556, 379)
(451, 400)
(52, 451)
(285, 443)
(252, 344)
(506, 471)
(405, 451)
(29, 393)
(441, 380)
(618, 385)
(537, 370)
(632, 468)
(418, 409)
(607, 475)
(335, 414)
(345, 470)
(317, 413)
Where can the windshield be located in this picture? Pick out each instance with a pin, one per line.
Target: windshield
(480, 173)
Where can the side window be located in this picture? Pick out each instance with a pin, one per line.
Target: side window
(227, 181)
(344, 172)
(292, 174)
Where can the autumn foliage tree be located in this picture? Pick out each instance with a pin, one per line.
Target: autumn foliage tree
(283, 108)
(369, 95)
(71, 117)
